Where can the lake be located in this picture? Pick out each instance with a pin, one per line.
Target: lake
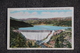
(44, 27)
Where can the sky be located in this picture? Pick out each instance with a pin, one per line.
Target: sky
(23, 14)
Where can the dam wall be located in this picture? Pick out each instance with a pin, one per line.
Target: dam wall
(35, 35)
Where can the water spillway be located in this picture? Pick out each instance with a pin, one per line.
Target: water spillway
(48, 38)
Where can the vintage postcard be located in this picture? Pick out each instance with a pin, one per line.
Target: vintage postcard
(40, 28)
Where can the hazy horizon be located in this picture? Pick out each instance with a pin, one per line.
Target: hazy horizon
(40, 18)
(24, 14)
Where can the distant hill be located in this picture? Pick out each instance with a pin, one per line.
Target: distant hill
(56, 18)
(57, 21)
(17, 23)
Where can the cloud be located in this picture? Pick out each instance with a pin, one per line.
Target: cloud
(46, 13)
(57, 14)
(26, 13)
(22, 15)
(34, 13)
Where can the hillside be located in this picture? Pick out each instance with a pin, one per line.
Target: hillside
(58, 21)
(17, 23)
(17, 39)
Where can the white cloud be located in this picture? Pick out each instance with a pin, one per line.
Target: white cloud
(26, 13)
(46, 13)
(22, 15)
(34, 13)
(56, 14)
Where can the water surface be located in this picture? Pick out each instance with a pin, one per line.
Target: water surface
(44, 27)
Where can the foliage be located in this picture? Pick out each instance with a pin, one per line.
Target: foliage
(16, 39)
(64, 42)
(61, 40)
(16, 24)
(31, 44)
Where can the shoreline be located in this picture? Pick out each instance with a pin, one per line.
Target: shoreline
(52, 25)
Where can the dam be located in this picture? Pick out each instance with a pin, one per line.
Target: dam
(35, 35)
(39, 32)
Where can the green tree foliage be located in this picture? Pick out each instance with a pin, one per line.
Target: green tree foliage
(31, 44)
(60, 41)
(16, 39)
(64, 23)
(57, 44)
(17, 24)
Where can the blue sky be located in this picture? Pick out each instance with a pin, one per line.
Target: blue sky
(23, 14)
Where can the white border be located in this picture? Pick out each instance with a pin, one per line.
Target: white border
(49, 8)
